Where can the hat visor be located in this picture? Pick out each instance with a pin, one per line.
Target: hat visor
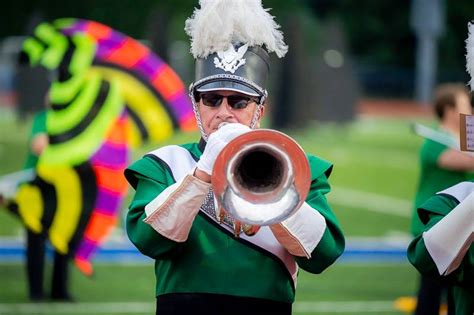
(227, 86)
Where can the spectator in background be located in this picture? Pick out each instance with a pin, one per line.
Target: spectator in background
(440, 168)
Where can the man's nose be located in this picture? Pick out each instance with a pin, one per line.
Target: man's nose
(224, 109)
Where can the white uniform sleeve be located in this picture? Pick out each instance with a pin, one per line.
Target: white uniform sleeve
(173, 211)
(448, 240)
(302, 232)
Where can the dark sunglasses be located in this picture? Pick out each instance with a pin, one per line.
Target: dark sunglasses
(235, 101)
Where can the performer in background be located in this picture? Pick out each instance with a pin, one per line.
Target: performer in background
(36, 242)
(200, 265)
(444, 250)
(103, 102)
(444, 224)
(440, 168)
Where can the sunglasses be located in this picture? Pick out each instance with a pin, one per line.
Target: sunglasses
(235, 101)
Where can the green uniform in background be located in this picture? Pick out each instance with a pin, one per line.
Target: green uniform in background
(461, 280)
(38, 126)
(212, 260)
(433, 179)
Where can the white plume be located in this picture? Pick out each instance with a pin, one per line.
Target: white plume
(219, 23)
(470, 54)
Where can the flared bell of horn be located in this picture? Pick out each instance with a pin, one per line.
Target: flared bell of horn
(261, 177)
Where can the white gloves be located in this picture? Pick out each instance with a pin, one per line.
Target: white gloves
(216, 142)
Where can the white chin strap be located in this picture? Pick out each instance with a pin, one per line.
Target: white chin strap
(198, 118)
(256, 116)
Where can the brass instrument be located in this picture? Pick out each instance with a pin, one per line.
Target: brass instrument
(261, 178)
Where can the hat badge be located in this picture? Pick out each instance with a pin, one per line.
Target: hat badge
(230, 60)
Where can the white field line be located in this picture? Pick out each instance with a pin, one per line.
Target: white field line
(344, 307)
(78, 308)
(370, 201)
(149, 308)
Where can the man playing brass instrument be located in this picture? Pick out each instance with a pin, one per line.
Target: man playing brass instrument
(200, 265)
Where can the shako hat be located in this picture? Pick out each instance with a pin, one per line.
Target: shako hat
(230, 41)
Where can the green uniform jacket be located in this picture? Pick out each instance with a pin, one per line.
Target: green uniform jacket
(212, 260)
(462, 279)
(433, 179)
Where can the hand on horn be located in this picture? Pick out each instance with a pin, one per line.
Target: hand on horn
(238, 226)
(216, 142)
(249, 230)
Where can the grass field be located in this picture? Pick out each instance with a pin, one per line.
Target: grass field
(374, 179)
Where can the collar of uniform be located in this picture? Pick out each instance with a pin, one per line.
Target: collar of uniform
(202, 144)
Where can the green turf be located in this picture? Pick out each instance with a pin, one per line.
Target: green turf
(356, 222)
(348, 281)
(13, 148)
(13, 144)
